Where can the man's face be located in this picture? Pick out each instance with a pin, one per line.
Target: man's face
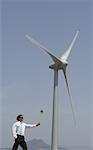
(21, 118)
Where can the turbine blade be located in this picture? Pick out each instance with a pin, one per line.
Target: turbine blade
(64, 71)
(67, 53)
(54, 58)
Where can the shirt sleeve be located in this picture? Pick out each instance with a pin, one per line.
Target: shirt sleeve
(30, 125)
(14, 130)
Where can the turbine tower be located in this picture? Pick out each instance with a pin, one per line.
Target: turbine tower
(59, 64)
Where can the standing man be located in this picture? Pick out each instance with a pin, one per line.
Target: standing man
(18, 130)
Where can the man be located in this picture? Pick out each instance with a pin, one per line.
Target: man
(18, 130)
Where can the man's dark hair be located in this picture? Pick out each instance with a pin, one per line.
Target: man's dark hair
(17, 118)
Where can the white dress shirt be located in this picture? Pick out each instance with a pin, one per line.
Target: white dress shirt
(19, 128)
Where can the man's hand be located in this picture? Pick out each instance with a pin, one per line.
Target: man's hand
(15, 136)
(38, 124)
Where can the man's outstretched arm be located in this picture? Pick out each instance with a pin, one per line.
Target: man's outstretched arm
(32, 125)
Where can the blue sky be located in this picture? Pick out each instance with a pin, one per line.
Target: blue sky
(27, 82)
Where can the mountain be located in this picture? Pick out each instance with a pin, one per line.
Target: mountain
(36, 144)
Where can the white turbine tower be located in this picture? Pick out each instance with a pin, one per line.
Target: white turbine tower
(59, 64)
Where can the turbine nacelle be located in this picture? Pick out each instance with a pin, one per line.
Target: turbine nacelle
(59, 65)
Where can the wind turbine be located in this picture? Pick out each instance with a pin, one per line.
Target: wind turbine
(59, 64)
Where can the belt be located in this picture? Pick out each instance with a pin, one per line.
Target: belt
(20, 135)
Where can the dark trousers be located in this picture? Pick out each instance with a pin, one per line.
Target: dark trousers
(19, 141)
